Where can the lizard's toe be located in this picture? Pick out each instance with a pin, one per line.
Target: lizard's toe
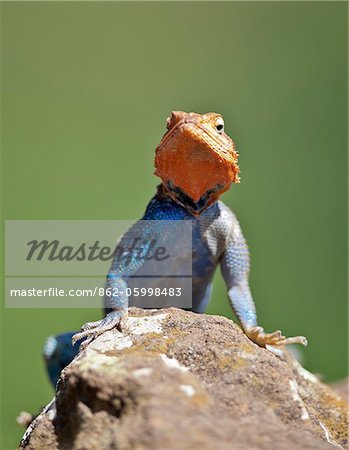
(90, 325)
(260, 337)
(91, 330)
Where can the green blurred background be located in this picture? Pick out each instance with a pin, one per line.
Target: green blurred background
(86, 89)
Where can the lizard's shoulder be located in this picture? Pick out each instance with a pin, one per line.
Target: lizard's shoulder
(219, 215)
(218, 225)
(226, 214)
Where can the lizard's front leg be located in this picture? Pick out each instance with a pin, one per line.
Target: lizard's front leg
(124, 265)
(116, 300)
(235, 267)
(242, 303)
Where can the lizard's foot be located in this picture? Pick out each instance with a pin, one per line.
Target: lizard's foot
(91, 330)
(260, 337)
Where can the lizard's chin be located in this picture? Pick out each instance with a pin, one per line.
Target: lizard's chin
(183, 199)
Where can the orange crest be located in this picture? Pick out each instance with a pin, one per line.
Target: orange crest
(196, 160)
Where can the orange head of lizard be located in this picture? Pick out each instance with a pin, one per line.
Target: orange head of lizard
(196, 160)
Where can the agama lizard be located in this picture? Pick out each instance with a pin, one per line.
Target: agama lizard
(196, 162)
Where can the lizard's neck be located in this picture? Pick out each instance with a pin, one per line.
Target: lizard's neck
(179, 196)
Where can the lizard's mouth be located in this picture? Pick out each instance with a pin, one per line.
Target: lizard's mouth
(195, 166)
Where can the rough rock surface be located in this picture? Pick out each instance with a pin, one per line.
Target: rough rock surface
(342, 388)
(179, 380)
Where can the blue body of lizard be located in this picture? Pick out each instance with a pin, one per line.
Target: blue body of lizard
(216, 239)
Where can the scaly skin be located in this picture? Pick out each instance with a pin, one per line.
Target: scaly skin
(196, 162)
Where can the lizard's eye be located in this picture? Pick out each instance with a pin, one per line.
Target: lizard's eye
(219, 125)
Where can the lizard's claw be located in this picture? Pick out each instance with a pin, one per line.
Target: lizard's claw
(91, 330)
(260, 337)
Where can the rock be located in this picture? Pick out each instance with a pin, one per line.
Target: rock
(180, 380)
(342, 388)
